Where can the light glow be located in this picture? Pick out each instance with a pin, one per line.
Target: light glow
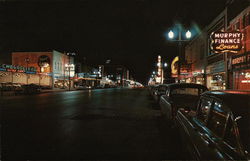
(188, 34)
(171, 34)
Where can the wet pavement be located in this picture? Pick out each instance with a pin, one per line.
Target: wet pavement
(76, 125)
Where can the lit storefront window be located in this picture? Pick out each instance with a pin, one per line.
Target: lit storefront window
(216, 81)
(242, 80)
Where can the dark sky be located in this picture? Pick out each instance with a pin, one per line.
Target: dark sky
(129, 32)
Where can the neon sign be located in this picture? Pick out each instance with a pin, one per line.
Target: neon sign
(247, 75)
(15, 68)
(226, 41)
(174, 67)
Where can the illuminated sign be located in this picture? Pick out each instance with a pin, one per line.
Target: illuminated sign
(241, 61)
(174, 67)
(247, 75)
(20, 69)
(245, 81)
(226, 41)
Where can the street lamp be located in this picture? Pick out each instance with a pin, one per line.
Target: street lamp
(171, 35)
(70, 65)
(27, 60)
(188, 34)
(165, 64)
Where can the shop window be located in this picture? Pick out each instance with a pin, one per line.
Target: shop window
(204, 109)
(217, 120)
(246, 20)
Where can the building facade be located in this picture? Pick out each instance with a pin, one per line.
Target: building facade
(222, 70)
(195, 53)
(57, 65)
(22, 75)
(117, 73)
(239, 63)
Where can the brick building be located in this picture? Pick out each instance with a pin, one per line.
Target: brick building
(239, 63)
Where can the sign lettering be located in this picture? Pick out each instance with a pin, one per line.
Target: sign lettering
(226, 41)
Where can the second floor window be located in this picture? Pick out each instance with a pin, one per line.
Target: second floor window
(246, 20)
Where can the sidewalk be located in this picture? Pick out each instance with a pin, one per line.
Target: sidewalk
(57, 90)
(13, 93)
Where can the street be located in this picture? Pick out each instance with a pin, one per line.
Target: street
(98, 124)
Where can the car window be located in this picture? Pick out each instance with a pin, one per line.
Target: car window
(217, 120)
(162, 89)
(185, 91)
(204, 109)
(167, 92)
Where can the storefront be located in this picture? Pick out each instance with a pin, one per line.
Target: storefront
(198, 78)
(241, 71)
(59, 66)
(23, 75)
(216, 76)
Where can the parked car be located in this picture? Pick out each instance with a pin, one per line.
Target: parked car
(7, 86)
(219, 129)
(159, 91)
(31, 89)
(153, 89)
(83, 87)
(179, 95)
(99, 86)
(46, 87)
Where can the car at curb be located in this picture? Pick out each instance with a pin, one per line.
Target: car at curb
(219, 128)
(179, 95)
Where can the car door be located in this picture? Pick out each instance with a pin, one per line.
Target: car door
(211, 126)
(165, 103)
(230, 145)
(194, 129)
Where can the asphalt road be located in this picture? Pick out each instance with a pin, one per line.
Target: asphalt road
(99, 124)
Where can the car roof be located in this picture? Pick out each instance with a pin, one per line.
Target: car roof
(163, 85)
(183, 85)
(226, 94)
(237, 100)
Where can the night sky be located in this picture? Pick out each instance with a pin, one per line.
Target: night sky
(129, 32)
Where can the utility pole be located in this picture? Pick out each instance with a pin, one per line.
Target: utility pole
(27, 62)
(69, 65)
(180, 55)
(179, 40)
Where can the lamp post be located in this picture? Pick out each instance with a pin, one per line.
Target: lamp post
(171, 36)
(27, 60)
(70, 65)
